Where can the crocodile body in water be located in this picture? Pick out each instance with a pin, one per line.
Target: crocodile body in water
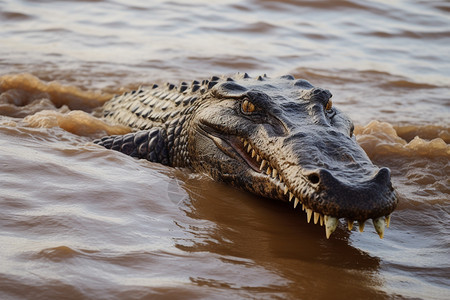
(279, 138)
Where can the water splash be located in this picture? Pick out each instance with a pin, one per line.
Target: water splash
(381, 139)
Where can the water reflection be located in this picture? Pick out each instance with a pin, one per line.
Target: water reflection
(252, 231)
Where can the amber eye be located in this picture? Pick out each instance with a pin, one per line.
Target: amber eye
(247, 106)
(329, 105)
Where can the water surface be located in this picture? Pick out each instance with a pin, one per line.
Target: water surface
(79, 221)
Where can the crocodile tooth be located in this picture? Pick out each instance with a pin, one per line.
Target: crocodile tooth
(274, 173)
(303, 206)
(242, 139)
(330, 225)
(263, 164)
(296, 202)
(350, 225)
(269, 171)
(379, 224)
(308, 214)
(316, 217)
(253, 153)
(258, 158)
(321, 220)
(245, 144)
(249, 148)
(361, 226)
(290, 196)
(285, 189)
(388, 220)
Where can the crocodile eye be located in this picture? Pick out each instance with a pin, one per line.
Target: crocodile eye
(247, 106)
(329, 105)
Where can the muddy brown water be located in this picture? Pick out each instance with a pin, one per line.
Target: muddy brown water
(81, 222)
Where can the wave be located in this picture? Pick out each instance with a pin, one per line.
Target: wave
(48, 105)
(23, 89)
(382, 138)
(77, 122)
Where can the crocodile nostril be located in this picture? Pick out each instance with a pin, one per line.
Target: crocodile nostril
(314, 178)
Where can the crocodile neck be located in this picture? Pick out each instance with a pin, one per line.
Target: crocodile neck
(169, 107)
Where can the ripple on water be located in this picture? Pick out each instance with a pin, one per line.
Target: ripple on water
(79, 221)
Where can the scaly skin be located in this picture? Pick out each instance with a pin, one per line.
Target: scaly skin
(278, 138)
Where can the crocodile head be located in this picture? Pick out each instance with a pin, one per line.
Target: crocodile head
(283, 139)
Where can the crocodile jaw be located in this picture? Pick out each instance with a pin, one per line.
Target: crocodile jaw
(267, 180)
(305, 192)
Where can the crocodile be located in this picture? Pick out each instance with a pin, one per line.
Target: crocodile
(278, 138)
